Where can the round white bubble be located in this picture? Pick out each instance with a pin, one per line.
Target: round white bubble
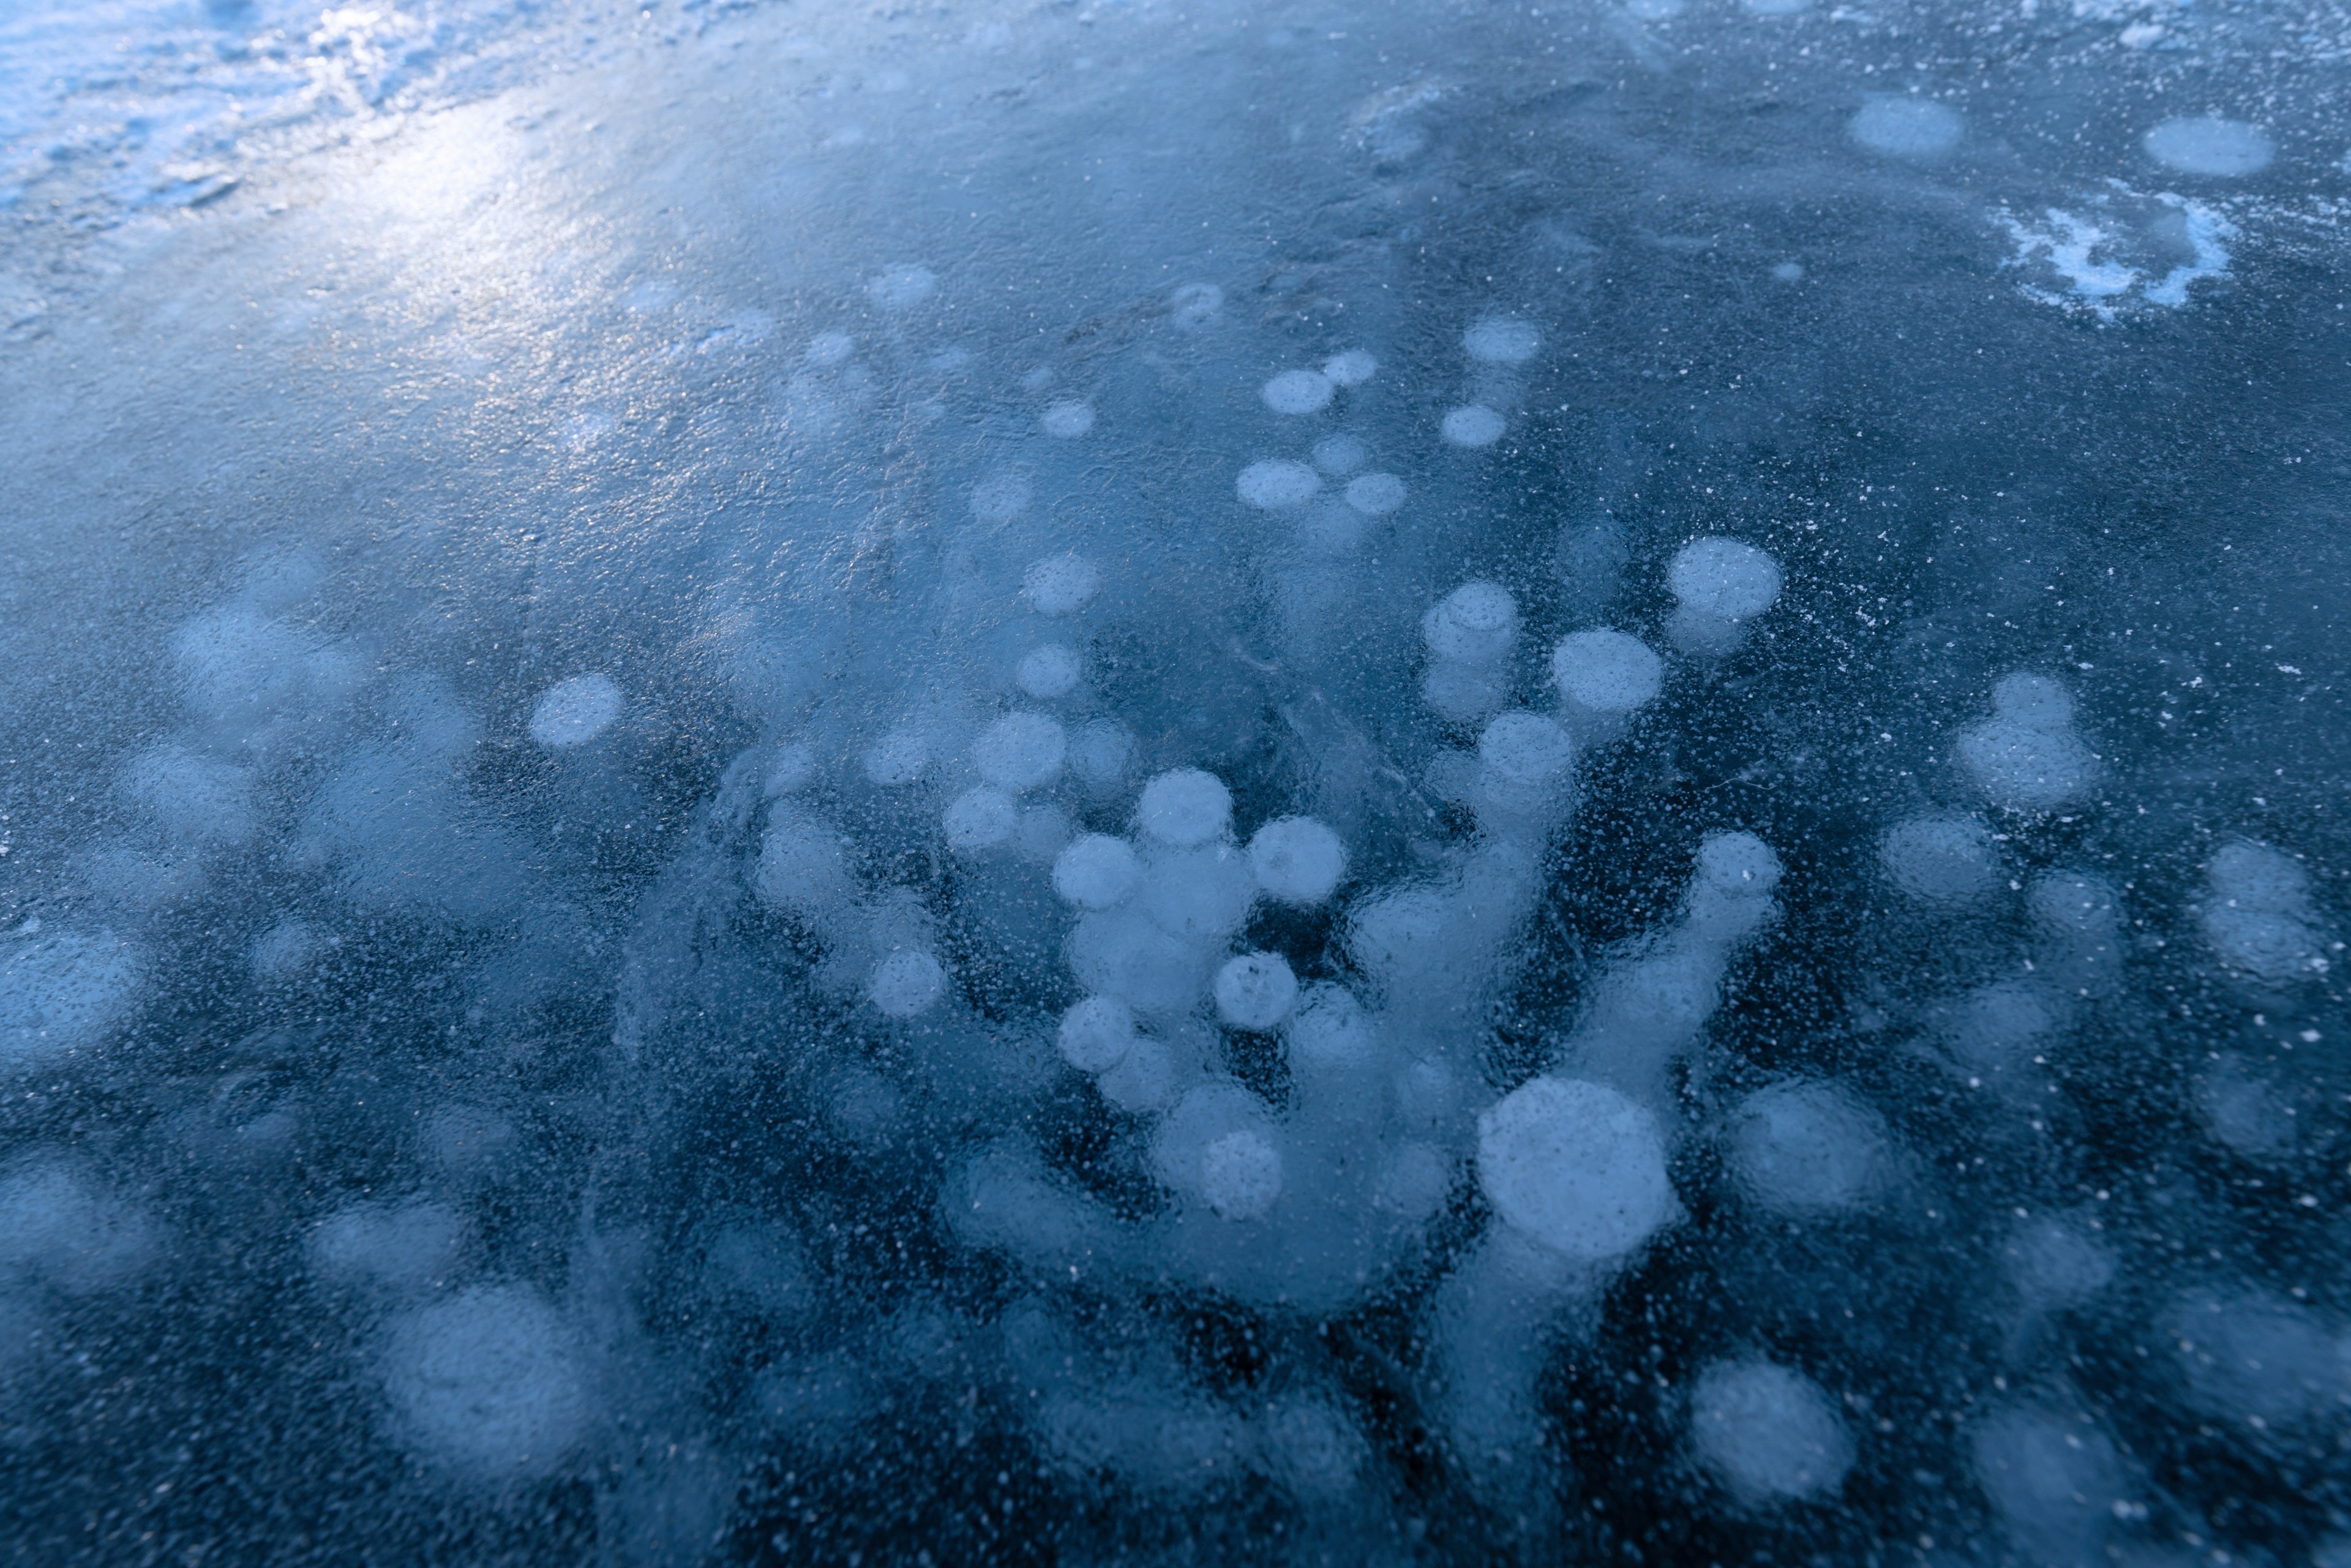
(2206, 144)
(1184, 805)
(1476, 622)
(1907, 127)
(1768, 1433)
(831, 348)
(1526, 747)
(1240, 1175)
(1375, 495)
(1501, 340)
(1297, 859)
(1607, 670)
(1329, 1032)
(1807, 1148)
(1473, 425)
(1255, 990)
(1724, 578)
(1060, 584)
(907, 983)
(1195, 304)
(1096, 871)
(1101, 750)
(900, 287)
(898, 758)
(1001, 498)
(979, 819)
(487, 1379)
(1942, 860)
(1048, 672)
(1298, 391)
(1096, 1034)
(575, 712)
(1273, 484)
(1736, 863)
(1066, 420)
(1351, 368)
(1020, 751)
(1338, 456)
(802, 866)
(1575, 1167)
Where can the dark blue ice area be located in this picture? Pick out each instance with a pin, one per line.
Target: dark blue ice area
(1082, 783)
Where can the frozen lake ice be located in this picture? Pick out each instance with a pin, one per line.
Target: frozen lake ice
(791, 783)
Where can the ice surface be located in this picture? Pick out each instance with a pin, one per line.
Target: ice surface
(815, 784)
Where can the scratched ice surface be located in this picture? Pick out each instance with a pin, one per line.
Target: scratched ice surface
(1174, 783)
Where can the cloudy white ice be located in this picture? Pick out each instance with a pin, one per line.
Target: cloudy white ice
(1253, 783)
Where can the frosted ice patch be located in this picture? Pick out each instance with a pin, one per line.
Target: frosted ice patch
(1501, 340)
(1273, 484)
(1067, 421)
(1240, 1175)
(1297, 859)
(1096, 871)
(1526, 748)
(898, 758)
(1473, 425)
(1255, 990)
(901, 286)
(1607, 670)
(1375, 495)
(1298, 391)
(1576, 1166)
(1049, 672)
(2129, 252)
(1768, 1433)
(1339, 456)
(1807, 1148)
(1942, 860)
(488, 1379)
(1350, 368)
(1020, 751)
(2258, 914)
(1724, 578)
(1476, 622)
(1907, 127)
(906, 984)
(2026, 757)
(1096, 1034)
(2210, 145)
(1184, 805)
(63, 993)
(979, 819)
(1060, 584)
(575, 712)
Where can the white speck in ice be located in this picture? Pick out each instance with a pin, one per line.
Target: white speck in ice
(1096, 871)
(831, 348)
(1501, 340)
(900, 287)
(906, 983)
(1297, 859)
(2210, 145)
(1067, 421)
(1473, 425)
(1576, 1166)
(1048, 672)
(979, 819)
(1350, 369)
(1255, 990)
(1298, 391)
(1096, 1034)
(1375, 495)
(574, 712)
(1607, 670)
(1767, 1432)
(1240, 1175)
(1183, 807)
(1724, 578)
(898, 758)
(1339, 456)
(1273, 484)
(1060, 584)
(1907, 127)
(1020, 751)
(1476, 622)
